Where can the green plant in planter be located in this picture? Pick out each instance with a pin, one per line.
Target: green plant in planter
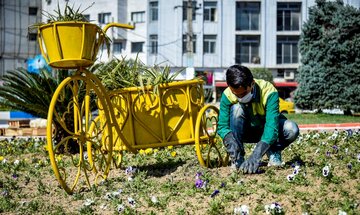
(122, 73)
(69, 14)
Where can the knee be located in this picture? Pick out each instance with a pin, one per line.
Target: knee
(237, 111)
(291, 131)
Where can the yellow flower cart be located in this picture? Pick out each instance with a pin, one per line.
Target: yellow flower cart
(90, 131)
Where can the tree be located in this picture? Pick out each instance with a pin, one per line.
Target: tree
(262, 73)
(329, 74)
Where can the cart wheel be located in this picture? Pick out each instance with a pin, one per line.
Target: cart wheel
(209, 149)
(79, 142)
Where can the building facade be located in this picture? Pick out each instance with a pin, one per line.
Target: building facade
(17, 44)
(255, 33)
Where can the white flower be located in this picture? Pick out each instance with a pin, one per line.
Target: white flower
(103, 207)
(130, 178)
(273, 208)
(120, 208)
(86, 156)
(4, 161)
(358, 157)
(316, 135)
(290, 177)
(242, 210)
(131, 201)
(342, 212)
(116, 194)
(130, 170)
(108, 196)
(240, 182)
(326, 171)
(88, 202)
(16, 162)
(346, 150)
(296, 170)
(154, 199)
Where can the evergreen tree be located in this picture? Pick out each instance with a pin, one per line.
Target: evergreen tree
(329, 74)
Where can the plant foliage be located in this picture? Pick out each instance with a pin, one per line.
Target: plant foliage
(262, 73)
(29, 92)
(122, 73)
(330, 70)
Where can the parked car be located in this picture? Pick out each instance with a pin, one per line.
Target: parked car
(286, 107)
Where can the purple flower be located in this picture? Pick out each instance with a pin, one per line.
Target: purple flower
(198, 174)
(14, 176)
(223, 184)
(336, 148)
(349, 165)
(199, 183)
(214, 193)
(328, 153)
(349, 132)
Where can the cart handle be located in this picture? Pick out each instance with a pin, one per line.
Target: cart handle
(119, 25)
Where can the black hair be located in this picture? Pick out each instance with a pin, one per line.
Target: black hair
(239, 76)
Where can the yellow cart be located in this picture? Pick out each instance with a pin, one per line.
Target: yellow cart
(89, 128)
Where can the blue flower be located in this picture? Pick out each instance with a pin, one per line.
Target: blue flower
(199, 183)
(214, 193)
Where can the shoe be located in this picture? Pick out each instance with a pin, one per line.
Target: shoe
(274, 158)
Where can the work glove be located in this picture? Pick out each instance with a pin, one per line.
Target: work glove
(233, 147)
(252, 163)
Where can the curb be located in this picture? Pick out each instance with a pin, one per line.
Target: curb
(338, 126)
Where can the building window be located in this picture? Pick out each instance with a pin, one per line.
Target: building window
(153, 44)
(33, 11)
(153, 11)
(288, 16)
(210, 11)
(185, 8)
(117, 46)
(247, 49)
(209, 44)
(185, 42)
(247, 16)
(137, 47)
(104, 18)
(138, 17)
(32, 36)
(287, 49)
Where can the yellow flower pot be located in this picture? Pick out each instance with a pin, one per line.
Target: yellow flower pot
(70, 44)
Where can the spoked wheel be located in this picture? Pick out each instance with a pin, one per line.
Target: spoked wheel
(209, 149)
(79, 142)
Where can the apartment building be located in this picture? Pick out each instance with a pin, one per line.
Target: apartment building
(16, 43)
(255, 33)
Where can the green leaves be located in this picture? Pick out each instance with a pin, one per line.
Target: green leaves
(123, 73)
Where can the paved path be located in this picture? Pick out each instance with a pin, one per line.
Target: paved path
(338, 126)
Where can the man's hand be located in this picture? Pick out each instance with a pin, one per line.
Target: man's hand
(252, 164)
(233, 146)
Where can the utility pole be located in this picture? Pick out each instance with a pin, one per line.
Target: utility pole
(189, 41)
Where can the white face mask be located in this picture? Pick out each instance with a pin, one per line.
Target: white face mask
(247, 98)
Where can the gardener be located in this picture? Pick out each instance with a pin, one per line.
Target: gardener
(249, 112)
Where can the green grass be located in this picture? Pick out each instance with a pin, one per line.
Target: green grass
(321, 118)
